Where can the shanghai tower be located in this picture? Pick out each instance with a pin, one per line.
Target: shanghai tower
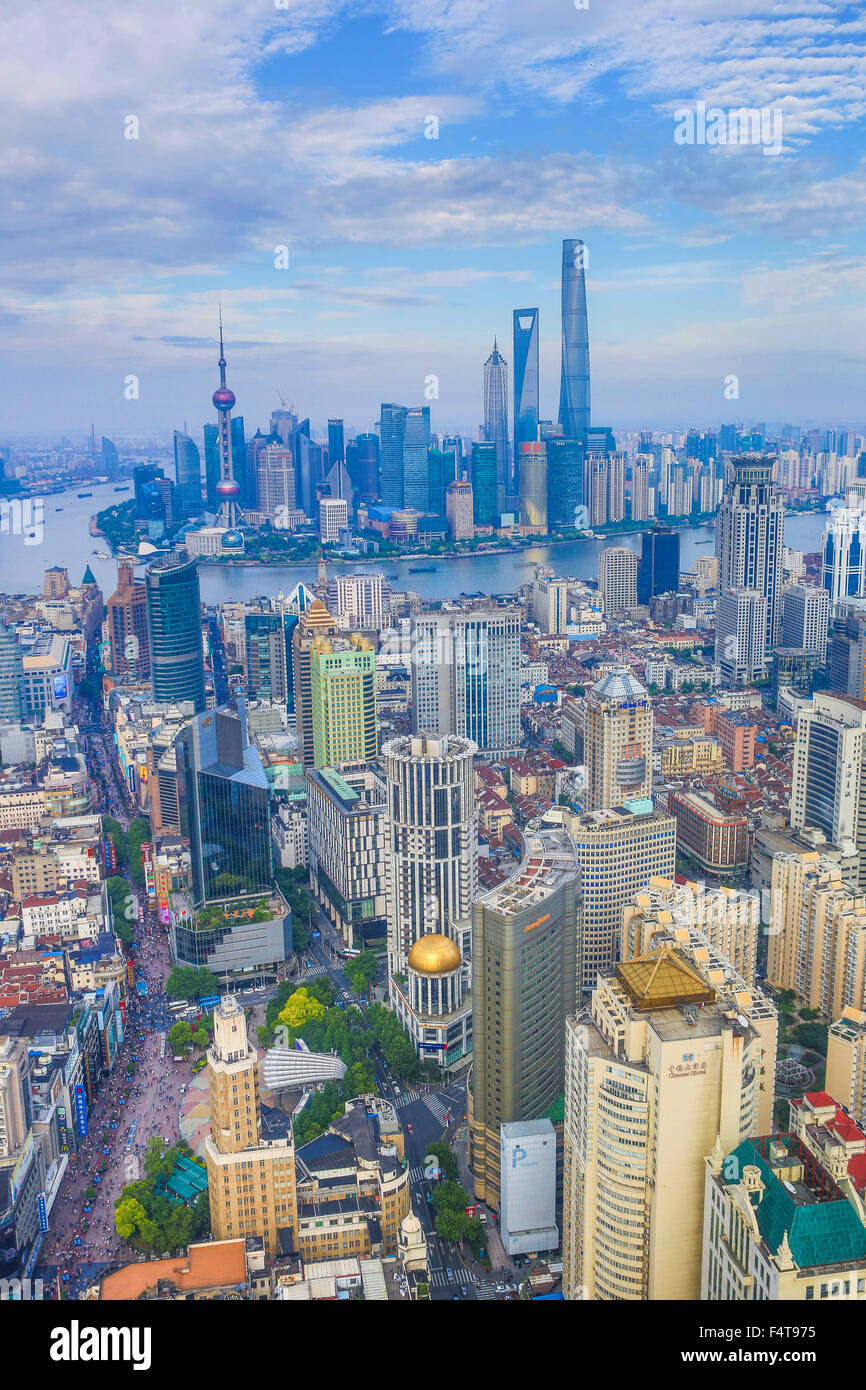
(574, 384)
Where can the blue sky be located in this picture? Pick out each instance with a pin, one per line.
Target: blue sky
(305, 126)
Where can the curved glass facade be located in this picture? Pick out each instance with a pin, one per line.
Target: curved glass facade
(174, 629)
(187, 472)
(525, 383)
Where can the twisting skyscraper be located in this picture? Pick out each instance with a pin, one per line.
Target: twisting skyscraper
(496, 418)
(574, 382)
(227, 489)
(525, 384)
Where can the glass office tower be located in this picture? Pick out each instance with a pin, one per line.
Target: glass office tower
(174, 629)
(565, 459)
(392, 424)
(574, 380)
(187, 472)
(211, 465)
(416, 442)
(659, 568)
(336, 448)
(525, 384)
(483, 473)
(223, 800)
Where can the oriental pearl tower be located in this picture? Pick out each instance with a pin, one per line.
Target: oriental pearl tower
(227, 489)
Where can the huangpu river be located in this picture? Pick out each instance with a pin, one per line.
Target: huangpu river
(66, 540)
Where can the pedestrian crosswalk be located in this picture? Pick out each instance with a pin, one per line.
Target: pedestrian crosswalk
(409, 1096)
(316, 969)
(436, 1108)
(439, 1280)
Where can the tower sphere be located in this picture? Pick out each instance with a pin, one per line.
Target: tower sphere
(223, 398)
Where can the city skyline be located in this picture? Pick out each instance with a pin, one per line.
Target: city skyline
(703, 261)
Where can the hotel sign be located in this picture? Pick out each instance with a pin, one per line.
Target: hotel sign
(537, 923)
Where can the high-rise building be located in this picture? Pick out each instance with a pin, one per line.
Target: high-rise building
(525, 385)
(126, 615)
(843, 548)
(392, 425)
(174, 629)
(496, 421)
(659, 569)
(532, 469)
(676, 1052)
(249, 1151)
(227, 490)
(348, 850)
(187, 472)
(483, 472)
(618, 852)
(432, 830)
(617, 741)
(729, 919)
(360, 601)
(367, 484)
(223, 799)
(416, 443)
(336, 447)
(806, 618)
(828, 789)
(12, 697)
(550, 605)
(275, 481)
(333, 520)
(343, 701)
(817, 940)
(211, 466)
(641, 495)
(846, 1061)
(574, 381)
(750, 539)
(267, 655)
(314, 622)
(617, 579)
(604, 486)
(466, 675)
(846, 653)
(565, 465)
(459, 510)
(741, 632)
(441, 465)
(524, 985)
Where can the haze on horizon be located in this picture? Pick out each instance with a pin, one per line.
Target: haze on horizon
(309, 127)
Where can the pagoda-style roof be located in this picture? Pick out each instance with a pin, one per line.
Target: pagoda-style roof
(663, 980)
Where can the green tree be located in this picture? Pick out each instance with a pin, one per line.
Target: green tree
(180, 1036)
(301, 1007)
(201, 1037)
(137, 835)
(444, 1157)
(361, 970)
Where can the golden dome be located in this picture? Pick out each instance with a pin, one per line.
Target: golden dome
(434, 954)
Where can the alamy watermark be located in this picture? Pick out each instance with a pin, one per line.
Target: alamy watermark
(741, 125)
(23, 516)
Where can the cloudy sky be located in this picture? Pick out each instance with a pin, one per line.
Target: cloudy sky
(308, 127)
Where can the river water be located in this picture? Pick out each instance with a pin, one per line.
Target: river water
(66, 541)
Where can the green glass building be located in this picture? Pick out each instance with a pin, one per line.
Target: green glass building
(343, 700)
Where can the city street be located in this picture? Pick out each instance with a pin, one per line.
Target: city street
(151, 1110)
